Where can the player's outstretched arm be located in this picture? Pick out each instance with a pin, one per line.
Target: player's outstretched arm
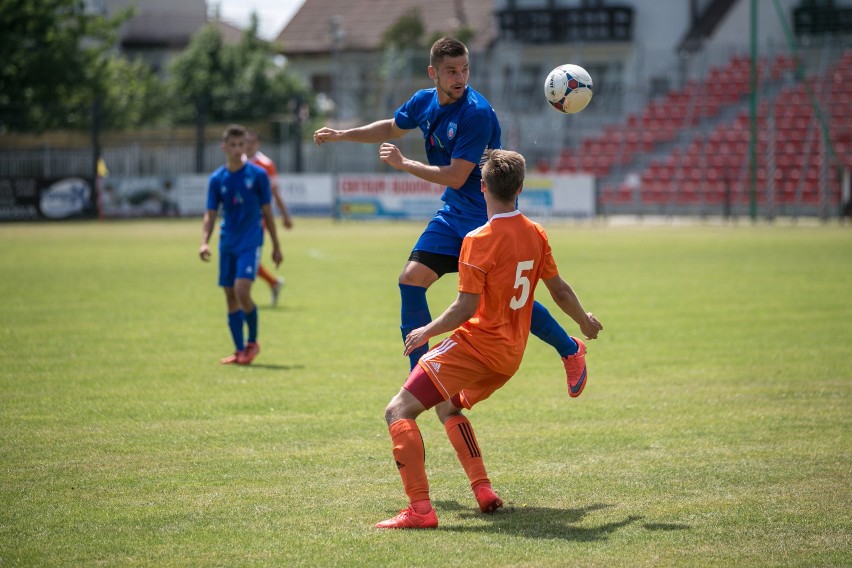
(568, 302)
(372, 133)
(461, 310)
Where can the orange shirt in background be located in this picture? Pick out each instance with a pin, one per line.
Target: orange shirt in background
(267, 164)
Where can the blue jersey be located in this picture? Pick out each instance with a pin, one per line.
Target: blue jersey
(241, 194)
(466, 129)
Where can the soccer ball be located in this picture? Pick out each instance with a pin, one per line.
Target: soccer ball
(568, 88)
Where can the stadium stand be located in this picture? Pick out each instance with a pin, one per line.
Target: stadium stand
(690, 147)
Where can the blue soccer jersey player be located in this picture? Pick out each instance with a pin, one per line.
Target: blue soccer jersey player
(459, 129)
(242, 191)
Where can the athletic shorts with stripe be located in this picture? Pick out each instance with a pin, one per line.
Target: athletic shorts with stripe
(454, 370)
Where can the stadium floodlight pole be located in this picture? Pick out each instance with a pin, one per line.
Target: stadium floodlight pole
(752, 143)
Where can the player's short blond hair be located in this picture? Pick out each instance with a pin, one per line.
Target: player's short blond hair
(503, 174)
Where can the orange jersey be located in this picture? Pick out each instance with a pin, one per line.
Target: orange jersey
(502, 261)
(264, 162)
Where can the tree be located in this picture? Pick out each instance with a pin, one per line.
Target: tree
(407, 30)
(229, 82)
(57, 59)
(134, 94)
(213, 81)
(405, 47)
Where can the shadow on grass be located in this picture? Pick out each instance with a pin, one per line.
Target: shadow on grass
(544, 522)
(274, 367)
(281, 308)
(666, 526)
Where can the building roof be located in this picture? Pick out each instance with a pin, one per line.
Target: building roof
(363, 23)
(160, 22)
(232, 34)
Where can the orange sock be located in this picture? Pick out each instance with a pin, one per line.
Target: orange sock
(410, 456)
(266, 275)
(461, 436)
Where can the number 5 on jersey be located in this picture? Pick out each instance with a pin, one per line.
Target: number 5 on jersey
(522, 282)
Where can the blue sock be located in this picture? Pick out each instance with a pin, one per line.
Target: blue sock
(548, 330)
(251, 322)
(235, 323)
(414, 314)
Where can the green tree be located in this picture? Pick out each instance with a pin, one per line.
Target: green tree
(406, 31)
(229, 82)
(57, 59)
(196, 76)
(134, 95)
(405, 52)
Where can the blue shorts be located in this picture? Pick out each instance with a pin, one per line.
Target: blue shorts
(237, 264)
(446, 231)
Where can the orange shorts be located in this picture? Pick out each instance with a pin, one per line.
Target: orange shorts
(454, 370)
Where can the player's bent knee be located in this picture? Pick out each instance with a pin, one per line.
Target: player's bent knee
(412, 280)
(447, 410)
(417, 274)
(389, 414)
(403, 406)
(395, 410)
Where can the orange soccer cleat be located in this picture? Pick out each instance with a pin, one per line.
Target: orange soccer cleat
(410, 519)
(251, 351)
(487, 499)
(575, 369)
(231, 359)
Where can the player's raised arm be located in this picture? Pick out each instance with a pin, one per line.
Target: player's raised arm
(372, 133)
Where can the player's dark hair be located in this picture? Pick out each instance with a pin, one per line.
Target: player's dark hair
(233, 131)
(446, 47)
(503, 174)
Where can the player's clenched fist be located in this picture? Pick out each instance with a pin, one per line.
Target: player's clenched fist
(326, 134)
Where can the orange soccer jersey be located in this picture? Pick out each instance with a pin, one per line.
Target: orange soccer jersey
(264, 162)
(502, 261)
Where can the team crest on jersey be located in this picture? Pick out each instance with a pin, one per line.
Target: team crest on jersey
(451, 130)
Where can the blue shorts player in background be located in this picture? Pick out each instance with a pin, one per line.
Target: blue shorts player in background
(459, 128)
(242, 190)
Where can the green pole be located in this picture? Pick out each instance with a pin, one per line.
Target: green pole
(752, 143)
(827, 147)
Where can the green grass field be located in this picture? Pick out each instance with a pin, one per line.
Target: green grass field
(716, 428)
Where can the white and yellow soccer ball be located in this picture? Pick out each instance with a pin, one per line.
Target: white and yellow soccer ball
(568, 88)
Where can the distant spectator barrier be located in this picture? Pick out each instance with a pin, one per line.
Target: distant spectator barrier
(388, 196)
(186, 195)
(33, 198)
(405, 197)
